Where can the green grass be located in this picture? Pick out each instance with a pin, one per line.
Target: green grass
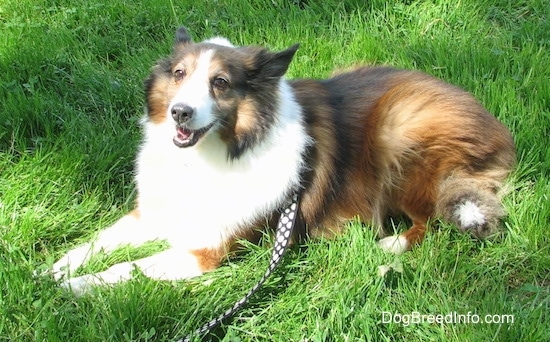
(71, 97)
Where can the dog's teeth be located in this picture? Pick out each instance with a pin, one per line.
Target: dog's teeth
(184, 134)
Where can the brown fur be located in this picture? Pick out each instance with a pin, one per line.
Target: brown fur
(399, 142)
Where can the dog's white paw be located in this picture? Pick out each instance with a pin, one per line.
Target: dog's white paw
(70, 262)
(395, 244)
(80, 285)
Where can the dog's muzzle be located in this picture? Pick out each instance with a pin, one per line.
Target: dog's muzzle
(185, 136)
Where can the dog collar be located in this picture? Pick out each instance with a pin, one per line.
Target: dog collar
(283, 233)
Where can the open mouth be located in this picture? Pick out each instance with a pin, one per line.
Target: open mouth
(186, 137)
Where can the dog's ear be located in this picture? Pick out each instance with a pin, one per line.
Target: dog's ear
(270, 65)
(182, 37)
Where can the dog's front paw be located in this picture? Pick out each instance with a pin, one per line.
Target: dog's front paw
(60, 270)
(80, 285)
(70, 262)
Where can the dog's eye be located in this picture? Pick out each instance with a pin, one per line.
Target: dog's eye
(179, 75)
(220, 83)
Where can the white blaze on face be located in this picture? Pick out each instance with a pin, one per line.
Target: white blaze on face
(195, 92)
(219, 41)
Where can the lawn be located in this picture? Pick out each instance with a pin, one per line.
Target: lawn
(71, 75)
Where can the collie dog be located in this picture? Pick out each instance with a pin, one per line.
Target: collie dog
(228, 141)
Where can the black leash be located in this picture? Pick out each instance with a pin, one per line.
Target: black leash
(283, 233)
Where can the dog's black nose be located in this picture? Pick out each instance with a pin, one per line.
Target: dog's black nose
(181, 112)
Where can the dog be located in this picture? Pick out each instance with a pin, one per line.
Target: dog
(228, 140)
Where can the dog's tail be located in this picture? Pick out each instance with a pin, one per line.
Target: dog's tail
(473, 204)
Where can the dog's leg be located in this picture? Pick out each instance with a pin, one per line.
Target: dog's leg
(171, 264)
(417, 202)
(400, 243)
(126, 231)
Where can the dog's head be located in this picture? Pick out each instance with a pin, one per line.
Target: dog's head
(215, 87)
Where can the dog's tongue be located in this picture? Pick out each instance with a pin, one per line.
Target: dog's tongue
(183, 134)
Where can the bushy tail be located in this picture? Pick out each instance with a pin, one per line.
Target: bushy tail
(472, 204)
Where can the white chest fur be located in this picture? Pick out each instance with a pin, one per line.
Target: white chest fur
(198, 192)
